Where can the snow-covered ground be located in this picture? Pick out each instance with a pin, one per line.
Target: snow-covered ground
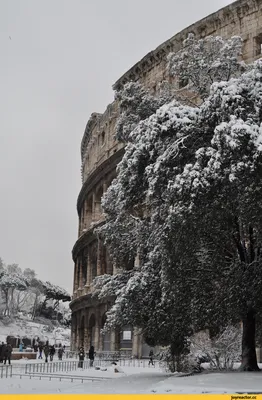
(132, 380)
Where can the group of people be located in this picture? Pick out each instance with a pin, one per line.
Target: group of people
(91, 356)
(49, 351)
(5, 352)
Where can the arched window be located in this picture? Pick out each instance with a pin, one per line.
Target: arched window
(103, 138)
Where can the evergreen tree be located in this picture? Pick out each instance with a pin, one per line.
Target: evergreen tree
(187, 199)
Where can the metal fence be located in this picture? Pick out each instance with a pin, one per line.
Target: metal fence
(61, 367)
(6, 371)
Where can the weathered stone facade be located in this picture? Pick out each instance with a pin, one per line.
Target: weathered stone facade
(100, 154)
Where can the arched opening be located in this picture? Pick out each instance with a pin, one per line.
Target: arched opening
(91, 328)
(99, 195)
(103, 136)
(106, 337)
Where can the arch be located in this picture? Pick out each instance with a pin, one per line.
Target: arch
(103, 136)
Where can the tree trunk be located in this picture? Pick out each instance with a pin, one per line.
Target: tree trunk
(249, 357)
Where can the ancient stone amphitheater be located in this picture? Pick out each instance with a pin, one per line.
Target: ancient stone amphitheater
(100, 154)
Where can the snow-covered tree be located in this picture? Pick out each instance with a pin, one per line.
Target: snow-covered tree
(136, 103)
(189, 192)
(202, 62)
(9, 283)
(222, 351)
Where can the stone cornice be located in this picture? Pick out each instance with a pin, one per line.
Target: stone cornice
(222, 17)
(87, 300)
(86, 238)
(103, 169)
(91, 123)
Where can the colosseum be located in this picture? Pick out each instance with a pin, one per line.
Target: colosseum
(100, 154)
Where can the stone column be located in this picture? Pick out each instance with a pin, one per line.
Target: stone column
(80, 274)
(93, 207)
(98, 262)
(137, 261)
(104, 187)
(75, 275)
(112, 340)
(109, 265)
(97, 336)
(115, 340)
(73, 333)
(89, 274)
(76, 283)
(116, 270)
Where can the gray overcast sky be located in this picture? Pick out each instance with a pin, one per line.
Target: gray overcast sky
(59, 59)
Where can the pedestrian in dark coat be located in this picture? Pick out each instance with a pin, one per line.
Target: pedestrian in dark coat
(7, 353)
(52, 352)
(60, 352)
(151, 355)
(1, 352)
(46, 351)
(91, 355)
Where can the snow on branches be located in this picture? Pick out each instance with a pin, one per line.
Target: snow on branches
(202, 62)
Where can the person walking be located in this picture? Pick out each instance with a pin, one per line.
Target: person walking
(151, 355)
(91, 355)
(52, 352)
(7, 353)
(40, 349)
(46, 351)
(60, 352)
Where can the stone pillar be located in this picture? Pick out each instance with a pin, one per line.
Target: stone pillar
(75, 274)
(114, 340)
(137, 261)
(135, 342)
(80, 274)
(76, 283)
(116, 270)
(93, 207)
(97, 336)
(98, 262)
(73, 333)
(109, 265)
(89, 273)
(104, 187)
